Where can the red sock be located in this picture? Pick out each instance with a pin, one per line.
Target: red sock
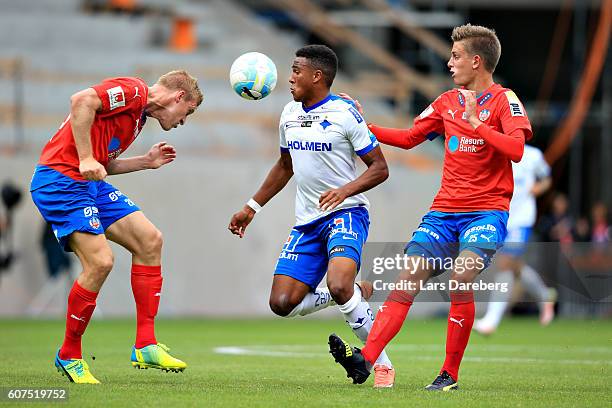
(146, 287)
(81, 304)
(387, 324)
(460, 321)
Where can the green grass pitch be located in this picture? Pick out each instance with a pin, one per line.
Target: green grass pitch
(285, 363)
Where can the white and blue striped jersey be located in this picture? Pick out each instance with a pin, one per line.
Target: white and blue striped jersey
(531, 168)
(323, 140)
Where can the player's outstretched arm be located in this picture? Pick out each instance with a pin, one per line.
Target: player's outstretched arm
(402, 138)
(159, 155)
(277, 179)
(376, 173)
(83, 108)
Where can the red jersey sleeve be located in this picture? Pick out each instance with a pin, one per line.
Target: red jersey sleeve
(430, 122)
(512, 114)
(428, 125)
(121, 94)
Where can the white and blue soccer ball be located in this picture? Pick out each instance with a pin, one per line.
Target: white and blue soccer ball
(253, 75)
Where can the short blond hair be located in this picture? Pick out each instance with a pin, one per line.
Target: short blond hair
(181, 80)
(480, 41)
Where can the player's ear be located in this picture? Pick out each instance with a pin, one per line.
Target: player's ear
(476, 61)
(317, 76)
(180, 95)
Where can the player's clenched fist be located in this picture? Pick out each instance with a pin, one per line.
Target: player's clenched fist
(241, 220)
(91, 169)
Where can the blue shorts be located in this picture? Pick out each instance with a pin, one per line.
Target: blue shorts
(309, 247)
(443, 235)
(70, 205)
(516, 242)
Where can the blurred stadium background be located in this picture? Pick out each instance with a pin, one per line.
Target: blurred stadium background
(392, 58)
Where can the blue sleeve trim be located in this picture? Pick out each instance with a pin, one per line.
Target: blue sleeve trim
(432, 135)
(366, 149)
(284, 149)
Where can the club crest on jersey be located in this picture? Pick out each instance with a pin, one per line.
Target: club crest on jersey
(116, 97)
(94, 222)
(484, 115)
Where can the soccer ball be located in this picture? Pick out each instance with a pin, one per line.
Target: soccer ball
(253, 75)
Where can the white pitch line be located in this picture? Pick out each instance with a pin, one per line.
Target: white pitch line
(265, 351)
(472, 347)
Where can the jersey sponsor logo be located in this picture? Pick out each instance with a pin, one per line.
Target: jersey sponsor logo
(479, 229)
(312, 146)
(464, 144)
(338, 227)
(114, 196)
(116, 97)
(306, 124)
(356, 114)
(428, 232)
(484, 115)
(288, 255)
(89, 211)
(337, 249)
(453, 144)
(428, 111)
(114, 144)
(308, 117)
(485, 98)
(516, 109)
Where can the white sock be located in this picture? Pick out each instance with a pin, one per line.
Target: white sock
(533, 284)
(313, 302)
(499, 300)
(359, 317)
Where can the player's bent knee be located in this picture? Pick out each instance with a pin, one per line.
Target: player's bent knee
(282, 305)
(340, 291)
(151, 243)
(101, 264)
